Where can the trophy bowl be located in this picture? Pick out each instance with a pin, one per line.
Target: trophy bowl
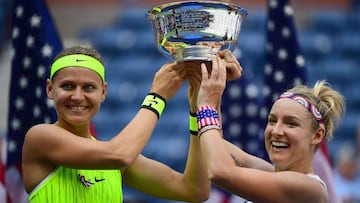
(196, 30)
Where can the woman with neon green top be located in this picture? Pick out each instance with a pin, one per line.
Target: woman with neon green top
(62, 162)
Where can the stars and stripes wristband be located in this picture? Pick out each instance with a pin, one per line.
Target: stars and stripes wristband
(207, 118)
(155, 103)
(193, 125)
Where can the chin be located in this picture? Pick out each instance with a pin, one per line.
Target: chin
(78, 120)
(276, 160)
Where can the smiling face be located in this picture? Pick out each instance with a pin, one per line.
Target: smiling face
(289, 137)
(77, 94)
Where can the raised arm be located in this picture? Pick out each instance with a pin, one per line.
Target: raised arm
(251, 184)
(244, 159)
(159, 180)
(71, 148)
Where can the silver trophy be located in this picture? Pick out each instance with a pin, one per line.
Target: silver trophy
(196, 30)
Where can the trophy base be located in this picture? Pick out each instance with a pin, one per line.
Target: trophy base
(196, 53)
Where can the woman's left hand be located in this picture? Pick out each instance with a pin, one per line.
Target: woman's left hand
(212, 84)
(233, 67)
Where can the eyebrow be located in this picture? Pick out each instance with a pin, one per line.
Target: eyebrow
(286, 116)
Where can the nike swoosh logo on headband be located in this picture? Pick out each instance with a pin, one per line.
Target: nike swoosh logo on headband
(80, 60)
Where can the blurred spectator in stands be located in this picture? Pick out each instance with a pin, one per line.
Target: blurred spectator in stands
(347, 178)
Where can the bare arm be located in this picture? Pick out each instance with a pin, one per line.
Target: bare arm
(56, 146)
(243, 159)
(47, 146)
(159, 180)
(163, 182)
(252, 184)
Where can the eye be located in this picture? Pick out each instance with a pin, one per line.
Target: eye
(292, 124)
(89, 88)
(67, 86)
(271, 120)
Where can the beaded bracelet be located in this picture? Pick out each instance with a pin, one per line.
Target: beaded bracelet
(209, 127)
(193, 125)
(155, 103)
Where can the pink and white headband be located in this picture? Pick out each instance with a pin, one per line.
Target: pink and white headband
(305, 103)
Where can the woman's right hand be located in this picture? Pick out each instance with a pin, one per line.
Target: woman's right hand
(168, 80)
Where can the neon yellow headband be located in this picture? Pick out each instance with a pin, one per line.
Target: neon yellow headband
(78, 60)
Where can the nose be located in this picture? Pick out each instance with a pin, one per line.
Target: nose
(77, 94)
(277, 129)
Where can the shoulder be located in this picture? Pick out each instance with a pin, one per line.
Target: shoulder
(39, 127)
(305, 187)
(316, 177)
(42, 126)
(301, 178)
(38, 130)
(41, 133)
(43, 129)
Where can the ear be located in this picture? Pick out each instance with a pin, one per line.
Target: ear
(104, 92)
(318, 136)
(49, 89)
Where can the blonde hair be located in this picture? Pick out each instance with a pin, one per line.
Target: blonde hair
(329, 102)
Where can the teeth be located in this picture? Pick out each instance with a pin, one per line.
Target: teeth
(279, 144)
(77, 108)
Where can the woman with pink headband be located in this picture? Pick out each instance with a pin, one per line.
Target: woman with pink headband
(62, 162)
(298, 122)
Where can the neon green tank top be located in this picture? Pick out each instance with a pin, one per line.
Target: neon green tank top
(79, 186)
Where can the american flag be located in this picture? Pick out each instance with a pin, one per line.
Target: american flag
(35, 43)
(240, 114)
(285, 65)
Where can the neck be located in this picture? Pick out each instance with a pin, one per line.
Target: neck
(303, 166)
(79, 130)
